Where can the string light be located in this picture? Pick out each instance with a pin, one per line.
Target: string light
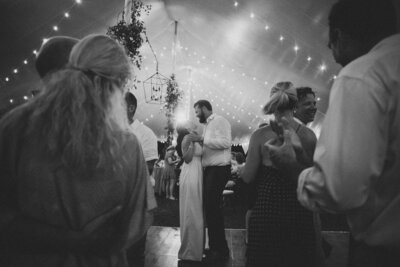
(252, 15)
(11, 100)
(309, 59)
(25, 97)
(296, 48)
(322, 67)
(55, 28)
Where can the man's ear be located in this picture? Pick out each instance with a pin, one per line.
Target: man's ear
(334, 35)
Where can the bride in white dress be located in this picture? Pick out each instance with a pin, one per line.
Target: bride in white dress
(191, 202)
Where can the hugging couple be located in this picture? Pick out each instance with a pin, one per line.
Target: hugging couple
(205, 172)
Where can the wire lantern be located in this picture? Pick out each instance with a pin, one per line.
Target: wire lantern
(155, 88)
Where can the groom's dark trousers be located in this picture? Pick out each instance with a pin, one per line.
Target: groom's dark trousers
(215, 179)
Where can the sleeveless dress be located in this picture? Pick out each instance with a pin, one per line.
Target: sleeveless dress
(281, 231)
(191, 208)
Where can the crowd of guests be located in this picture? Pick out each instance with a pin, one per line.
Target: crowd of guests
(76, 165)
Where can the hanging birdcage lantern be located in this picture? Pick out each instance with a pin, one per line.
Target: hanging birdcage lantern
(155, 88)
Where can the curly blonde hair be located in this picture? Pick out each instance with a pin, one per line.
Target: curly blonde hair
(73, 111)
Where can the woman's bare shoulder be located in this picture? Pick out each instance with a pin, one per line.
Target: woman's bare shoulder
(262, 134)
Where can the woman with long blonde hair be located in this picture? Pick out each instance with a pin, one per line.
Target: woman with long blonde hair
(68, 163)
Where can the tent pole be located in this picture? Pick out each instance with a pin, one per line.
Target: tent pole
(174, 45)
(127, 11)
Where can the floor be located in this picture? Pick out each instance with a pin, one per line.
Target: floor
(163, 244)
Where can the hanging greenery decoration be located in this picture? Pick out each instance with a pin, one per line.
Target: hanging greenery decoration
(172, 99)
(131, 35)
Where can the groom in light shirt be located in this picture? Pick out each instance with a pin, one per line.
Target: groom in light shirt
(216, 160)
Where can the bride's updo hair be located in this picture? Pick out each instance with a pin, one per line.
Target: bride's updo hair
(282, 97)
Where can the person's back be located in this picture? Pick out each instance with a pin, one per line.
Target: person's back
(379, 75)
(65, 165)
(264, 134)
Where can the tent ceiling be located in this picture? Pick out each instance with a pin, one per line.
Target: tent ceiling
(229, 54)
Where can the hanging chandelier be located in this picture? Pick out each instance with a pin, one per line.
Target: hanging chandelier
(155, 87)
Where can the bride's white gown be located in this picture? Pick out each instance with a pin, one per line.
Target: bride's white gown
(191, 208)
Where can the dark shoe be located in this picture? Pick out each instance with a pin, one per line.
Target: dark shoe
(189, 263)
(326, 247)
(215, 256)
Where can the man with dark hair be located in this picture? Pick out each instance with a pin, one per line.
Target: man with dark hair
(54, 54)
(216, 160)
(147, 138)
(304, 113)
(306, 105)
(148, 142)
(357, 162)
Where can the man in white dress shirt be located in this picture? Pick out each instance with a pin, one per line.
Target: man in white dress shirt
(146, 137)
(216, 160)
(357, 159)
(148, 142)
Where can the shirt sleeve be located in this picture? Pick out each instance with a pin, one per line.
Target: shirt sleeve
(218, 136)
(351, 150)
(8, 185)
(151, 146)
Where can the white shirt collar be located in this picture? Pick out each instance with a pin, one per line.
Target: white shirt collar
(135, 124)
(210, 118)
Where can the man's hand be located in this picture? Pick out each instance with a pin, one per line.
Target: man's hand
(284, 125)
(281, 152)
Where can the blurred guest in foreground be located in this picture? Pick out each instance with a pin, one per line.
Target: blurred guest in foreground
(148, 142)
(66, 165)
(357, 163)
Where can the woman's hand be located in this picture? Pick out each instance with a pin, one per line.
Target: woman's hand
(194, 137)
